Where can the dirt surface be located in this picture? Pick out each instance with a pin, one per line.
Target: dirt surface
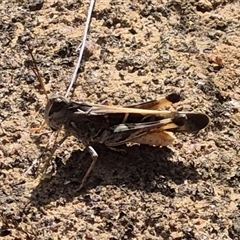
(136, 51)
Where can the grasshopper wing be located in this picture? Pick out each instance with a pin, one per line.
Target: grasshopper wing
(123, 133)
(158, 133)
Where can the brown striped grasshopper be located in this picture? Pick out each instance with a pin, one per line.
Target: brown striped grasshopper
(116, 125)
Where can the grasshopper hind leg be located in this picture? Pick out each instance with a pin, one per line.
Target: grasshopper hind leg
(94, 156)
(157, 104)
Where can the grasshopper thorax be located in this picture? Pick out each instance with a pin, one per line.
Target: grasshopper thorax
(56, 112)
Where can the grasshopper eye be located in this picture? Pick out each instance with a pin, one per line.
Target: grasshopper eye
(56, 107)
(55, 112)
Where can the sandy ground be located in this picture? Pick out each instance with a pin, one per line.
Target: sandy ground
(136, 51)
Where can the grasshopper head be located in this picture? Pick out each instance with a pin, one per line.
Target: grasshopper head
(55, 112)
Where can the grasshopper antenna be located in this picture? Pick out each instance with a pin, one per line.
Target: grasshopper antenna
(75, 74)
(35, 70)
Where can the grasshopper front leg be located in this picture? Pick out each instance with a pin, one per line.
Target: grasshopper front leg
(94, 156)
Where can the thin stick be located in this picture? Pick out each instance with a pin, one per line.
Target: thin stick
(75, 74)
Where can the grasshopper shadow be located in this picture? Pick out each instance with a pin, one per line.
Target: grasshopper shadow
(143, 168)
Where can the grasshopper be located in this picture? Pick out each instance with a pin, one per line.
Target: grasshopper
(112, 126)
(115, 125)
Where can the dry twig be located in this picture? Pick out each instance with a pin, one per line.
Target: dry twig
(75, 74)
